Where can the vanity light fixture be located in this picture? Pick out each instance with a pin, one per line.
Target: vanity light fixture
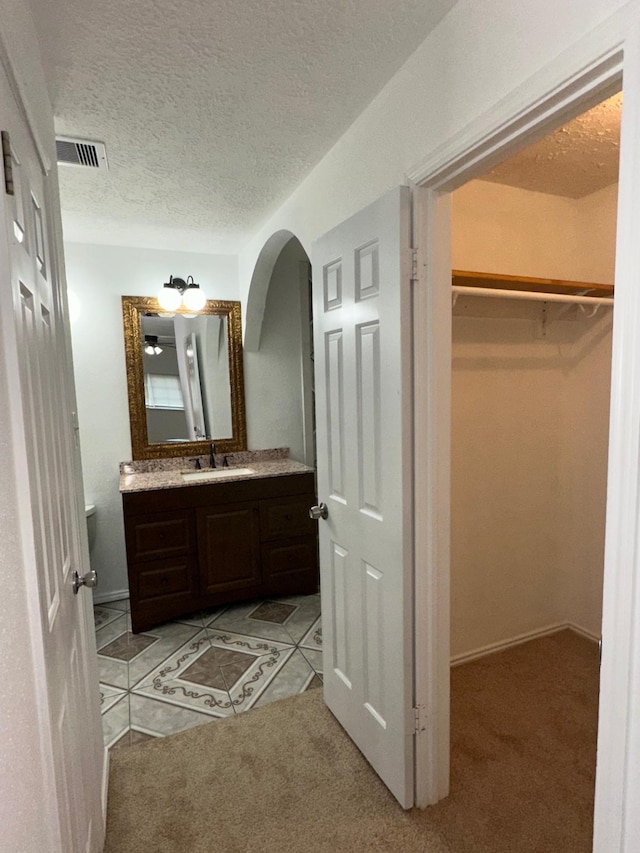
(151, 345)
(177, 292)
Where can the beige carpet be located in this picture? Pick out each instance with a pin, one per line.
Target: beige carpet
(286, 778)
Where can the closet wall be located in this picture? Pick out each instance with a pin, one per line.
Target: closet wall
(530, 405)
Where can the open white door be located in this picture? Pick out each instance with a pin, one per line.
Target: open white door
(362, 321)
(41, 479)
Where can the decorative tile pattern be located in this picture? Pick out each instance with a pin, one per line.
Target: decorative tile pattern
(239, 619)
(113, 673)
(294, 677)
(166, 681)
(313, 638)
(108, 697)
(116, 721)
(207, 669)
(273, 611)
(159, 719)
(103, 615)
(235, 687)
(127, 646)
(170, 637)
(209, 665)
(313, 658)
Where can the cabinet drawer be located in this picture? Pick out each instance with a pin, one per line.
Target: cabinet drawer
(157, 580)
(297, 557)
(286, 517)
(162, 535)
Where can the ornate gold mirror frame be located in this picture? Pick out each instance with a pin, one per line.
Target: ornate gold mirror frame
(133, 307)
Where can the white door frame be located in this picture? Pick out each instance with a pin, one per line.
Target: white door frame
(587, 72)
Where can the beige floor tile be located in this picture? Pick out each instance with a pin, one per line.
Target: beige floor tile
(159, 719)
(115, 721)
(294, 677)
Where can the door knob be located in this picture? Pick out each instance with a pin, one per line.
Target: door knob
(90, 580)
(320, 511)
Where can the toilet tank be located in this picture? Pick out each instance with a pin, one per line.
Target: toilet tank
(90, 513)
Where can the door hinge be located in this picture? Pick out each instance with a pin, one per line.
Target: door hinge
(419, 719)
(414, 264)
(7, 161)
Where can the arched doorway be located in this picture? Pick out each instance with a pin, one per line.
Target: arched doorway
(278, 350)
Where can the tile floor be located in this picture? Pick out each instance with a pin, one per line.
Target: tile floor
(213, 664)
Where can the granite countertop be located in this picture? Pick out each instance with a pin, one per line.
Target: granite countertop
(149, 481)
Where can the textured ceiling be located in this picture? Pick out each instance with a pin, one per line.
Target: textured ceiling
(212, 111)
(573, 161)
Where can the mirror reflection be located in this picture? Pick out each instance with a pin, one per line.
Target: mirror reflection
(187, 385)
(185, 379)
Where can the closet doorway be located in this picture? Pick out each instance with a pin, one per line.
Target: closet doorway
(533, 252)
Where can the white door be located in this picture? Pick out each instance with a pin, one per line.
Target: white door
(36, 354)
(362, 320)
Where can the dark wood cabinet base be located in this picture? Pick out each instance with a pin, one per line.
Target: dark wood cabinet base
(203, 546)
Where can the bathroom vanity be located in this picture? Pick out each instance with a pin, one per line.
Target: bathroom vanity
(197, 543)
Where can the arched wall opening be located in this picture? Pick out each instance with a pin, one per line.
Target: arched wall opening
(277, 363)
(259, 286)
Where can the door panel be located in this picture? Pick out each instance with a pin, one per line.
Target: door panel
(41, 402)
(362, 320)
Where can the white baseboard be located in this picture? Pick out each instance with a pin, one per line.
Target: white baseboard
(105, 597)
(588, 635)
(501, 645)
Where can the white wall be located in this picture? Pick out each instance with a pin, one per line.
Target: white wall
(507, 225)
(99, 276)
(529, 420)
(505, 481)
(597, 215)
(586, 438)
(274, 388)
(479, 54)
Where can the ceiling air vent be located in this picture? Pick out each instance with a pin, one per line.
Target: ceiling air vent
(81, 152)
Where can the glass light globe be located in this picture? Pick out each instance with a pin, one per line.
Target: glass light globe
(193, 298)
(169, 298)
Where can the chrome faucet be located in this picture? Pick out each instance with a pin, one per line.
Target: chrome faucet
(212, 455)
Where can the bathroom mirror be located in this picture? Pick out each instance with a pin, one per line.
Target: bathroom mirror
(185, 379)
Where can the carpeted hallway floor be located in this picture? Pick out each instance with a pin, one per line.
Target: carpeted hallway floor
(286, 778)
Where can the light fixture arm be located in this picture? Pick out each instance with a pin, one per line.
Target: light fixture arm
(179, 291)
(180, 284)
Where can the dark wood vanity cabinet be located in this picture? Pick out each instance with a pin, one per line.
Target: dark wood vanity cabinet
(200, 546)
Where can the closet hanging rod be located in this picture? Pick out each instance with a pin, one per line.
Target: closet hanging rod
(529, 295)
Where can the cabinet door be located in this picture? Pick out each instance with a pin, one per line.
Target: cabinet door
(287, 517)
(229, 548)
(290, 566)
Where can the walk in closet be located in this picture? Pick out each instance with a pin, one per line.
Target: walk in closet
(532, 298)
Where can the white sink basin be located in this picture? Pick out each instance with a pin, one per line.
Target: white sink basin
(215, 474)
